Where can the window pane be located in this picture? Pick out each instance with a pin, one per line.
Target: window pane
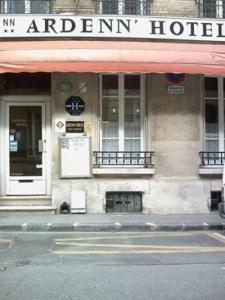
(211, 119)
(110, 85)
(40, 6)
(212, 145)
(211, 87)
(108, 7)
(132, 145)
(132, 7)
(132, 119)
(110, 145)
(209, 8)
(132, 85)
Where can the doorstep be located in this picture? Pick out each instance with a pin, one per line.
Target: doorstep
(28, 208)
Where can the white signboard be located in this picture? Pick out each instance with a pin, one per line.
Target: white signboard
(141, 27)
(75, 157)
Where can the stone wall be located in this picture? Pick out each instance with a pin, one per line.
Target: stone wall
(174, 131)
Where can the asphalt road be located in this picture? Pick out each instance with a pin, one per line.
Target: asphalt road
(157, 265)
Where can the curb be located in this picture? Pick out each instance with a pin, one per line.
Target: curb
(111, 227)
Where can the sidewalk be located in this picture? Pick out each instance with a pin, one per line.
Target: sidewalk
(110, 222)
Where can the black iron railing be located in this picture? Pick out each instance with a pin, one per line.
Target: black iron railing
(119, 158)
(25, 6)
(123, 7)
(212, 9)
(212, 159)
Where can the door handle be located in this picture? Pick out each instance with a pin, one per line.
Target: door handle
(41, 147)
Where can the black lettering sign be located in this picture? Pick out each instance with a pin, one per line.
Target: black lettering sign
(33, 27)
(74, 126)
(207, 29)
(193, 26)
(87, 25)
(49, 25)
(176, 28)
(68, 25)
(221, 30)
(157, 25)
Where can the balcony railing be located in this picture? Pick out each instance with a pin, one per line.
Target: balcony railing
(123, 7)
(212, 9)
(118, 159)
(25, 6)
(212, 158)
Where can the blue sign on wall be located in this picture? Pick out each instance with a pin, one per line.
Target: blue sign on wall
(74, 105)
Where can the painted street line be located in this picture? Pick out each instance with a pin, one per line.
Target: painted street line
(5, 241)
(133, 248)
(132, 236)
(96, 252)
(217, 236)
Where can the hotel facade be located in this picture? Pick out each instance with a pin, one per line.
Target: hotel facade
(112, 106)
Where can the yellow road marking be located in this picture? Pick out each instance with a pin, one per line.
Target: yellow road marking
(217, 236)
(102, 252)
(136, 249)
(5, 241)
(127, 246)
(130, 236)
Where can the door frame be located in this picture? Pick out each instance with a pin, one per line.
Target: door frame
(24, 100)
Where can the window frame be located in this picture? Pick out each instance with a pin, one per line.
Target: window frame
(221, 111)
(121, 99)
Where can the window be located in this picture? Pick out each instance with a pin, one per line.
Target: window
(25, 6)
(122, 112)
(214, 114)
(127, 7)
(212, 8)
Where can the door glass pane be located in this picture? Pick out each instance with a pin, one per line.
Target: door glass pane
(25, 132)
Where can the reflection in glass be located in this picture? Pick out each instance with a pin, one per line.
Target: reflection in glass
(110, 123)
(211, 87)
(110, 84)
(132, 85)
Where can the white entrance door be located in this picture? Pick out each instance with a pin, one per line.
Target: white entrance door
(25, 144)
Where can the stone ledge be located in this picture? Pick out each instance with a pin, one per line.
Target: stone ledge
(124, 171)
(210, 171)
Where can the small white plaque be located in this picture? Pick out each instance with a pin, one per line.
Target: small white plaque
(175, 89)
(60, 125)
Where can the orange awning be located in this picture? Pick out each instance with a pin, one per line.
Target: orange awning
(111, 56)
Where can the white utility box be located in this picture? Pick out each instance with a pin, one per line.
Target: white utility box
(78, 202)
